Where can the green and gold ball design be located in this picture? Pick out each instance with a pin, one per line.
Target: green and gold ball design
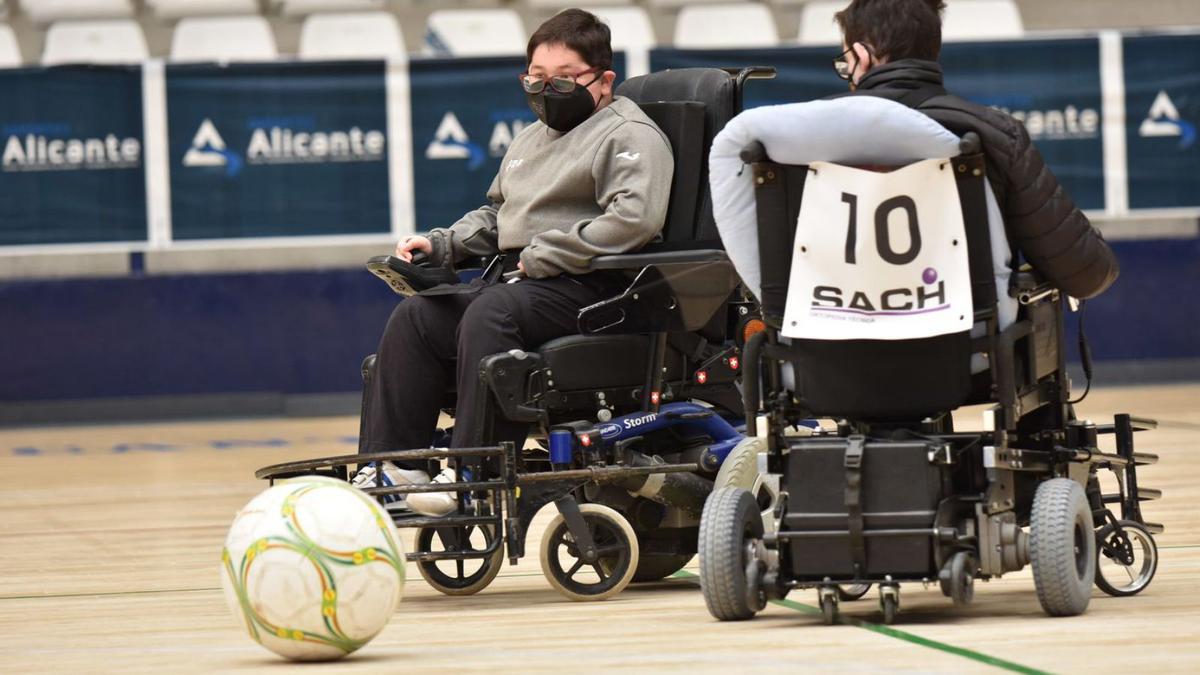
(313, 568)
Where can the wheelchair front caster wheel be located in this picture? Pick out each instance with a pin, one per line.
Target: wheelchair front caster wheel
(616, 549)
(1126, 560)
(459, 577)
(828, 599)
(889, 603)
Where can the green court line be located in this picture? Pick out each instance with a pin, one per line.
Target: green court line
(900, 635)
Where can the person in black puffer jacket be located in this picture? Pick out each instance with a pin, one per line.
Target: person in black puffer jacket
(891, 49)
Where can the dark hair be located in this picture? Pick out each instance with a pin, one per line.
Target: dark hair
(895, 29)
(578, 30)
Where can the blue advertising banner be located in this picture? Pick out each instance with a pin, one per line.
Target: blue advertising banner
(465, 113)
(72, 166)
(279, 149)
(1060, 106)
(1162, 111)
(1053, 87)
(802, 73)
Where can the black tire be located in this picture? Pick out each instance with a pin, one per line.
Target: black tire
(655, 567)
(829, 609)
(1142, 555)
(730, 521)
(852, 592)
(459, 577)
(1062, 547)
(890, 606)
(962, 578)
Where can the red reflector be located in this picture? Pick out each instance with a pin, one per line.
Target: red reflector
(734, 363)
(702, 376)
(585, 440)
(654, 397)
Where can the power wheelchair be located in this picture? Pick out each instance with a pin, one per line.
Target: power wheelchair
(633, 417)
(889, 491)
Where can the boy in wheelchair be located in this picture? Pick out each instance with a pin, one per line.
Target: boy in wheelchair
(590, 178)
(890, 299)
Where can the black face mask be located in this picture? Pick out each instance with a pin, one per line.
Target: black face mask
(559, 111)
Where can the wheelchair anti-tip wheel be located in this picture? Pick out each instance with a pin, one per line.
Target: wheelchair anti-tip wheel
(459, 577)
(730, 573)
(1125, 560)
(1062, 547)
(827, 598)
(616, 547)
(960, 579)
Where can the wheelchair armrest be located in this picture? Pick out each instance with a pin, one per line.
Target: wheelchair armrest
(632, 261)
(665, 297)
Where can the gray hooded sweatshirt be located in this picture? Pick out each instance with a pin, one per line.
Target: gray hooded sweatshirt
(563, 199)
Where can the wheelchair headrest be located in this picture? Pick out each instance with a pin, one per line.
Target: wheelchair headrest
(715, 92)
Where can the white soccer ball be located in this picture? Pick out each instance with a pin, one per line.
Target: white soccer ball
(313, 568)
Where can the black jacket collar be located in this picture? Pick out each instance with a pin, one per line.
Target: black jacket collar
(903, 74)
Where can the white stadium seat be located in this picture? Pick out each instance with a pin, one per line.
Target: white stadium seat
(351, 35)
(303, 7)
(176, 9)
(112, 41)
(474, 32)
(981, 20)
(817, 26)
(744, 24)
(564, 4)
(226, 38)
(45, 11)
(10, 52)
(631, 33)
(678, 4)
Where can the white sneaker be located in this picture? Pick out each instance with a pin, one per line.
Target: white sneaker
(392, 476)
(436, 503)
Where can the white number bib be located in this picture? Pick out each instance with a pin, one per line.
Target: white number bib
(879, 256)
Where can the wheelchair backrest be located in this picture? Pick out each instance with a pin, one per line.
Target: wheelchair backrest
(866, 293)
(690, 105)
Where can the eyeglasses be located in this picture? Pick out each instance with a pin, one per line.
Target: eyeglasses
(842, 67)
(563, 84)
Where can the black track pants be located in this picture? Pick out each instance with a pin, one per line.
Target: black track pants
(433, 345)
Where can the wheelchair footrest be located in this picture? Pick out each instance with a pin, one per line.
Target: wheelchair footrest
(1144, 458)
(464, 486)
(445, 521)
(1143, 495)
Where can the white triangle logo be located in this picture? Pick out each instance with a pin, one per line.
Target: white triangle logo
(1162, 120)
(206, 147)
(449, 141)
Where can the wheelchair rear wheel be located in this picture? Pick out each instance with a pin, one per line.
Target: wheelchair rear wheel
(459, 577)
(1125, 561)
(616, 544)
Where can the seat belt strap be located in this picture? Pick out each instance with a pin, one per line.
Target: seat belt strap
(855, 445)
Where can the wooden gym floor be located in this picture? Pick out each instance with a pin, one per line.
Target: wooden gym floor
(110, 540)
